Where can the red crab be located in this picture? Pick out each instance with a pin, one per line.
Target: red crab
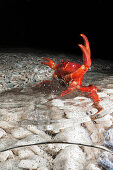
(72, 73)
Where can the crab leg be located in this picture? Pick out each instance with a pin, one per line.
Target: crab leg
(70, 89)
(99, 108)
(44, 81)
(51, 64)
(92, 90)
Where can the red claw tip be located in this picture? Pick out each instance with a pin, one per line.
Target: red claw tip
(79, 45)
(81, 34)
(84, 36)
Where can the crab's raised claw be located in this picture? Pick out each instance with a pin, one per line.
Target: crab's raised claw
(51, 64)
(86, 43)
(86, 51)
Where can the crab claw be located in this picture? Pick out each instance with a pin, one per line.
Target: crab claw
(51, 64)
(86, 51)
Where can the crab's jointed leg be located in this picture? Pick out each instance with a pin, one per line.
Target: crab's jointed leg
(44, 81)
(70, 89)
(92, 93)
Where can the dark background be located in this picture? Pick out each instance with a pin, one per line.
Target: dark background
(57, 25)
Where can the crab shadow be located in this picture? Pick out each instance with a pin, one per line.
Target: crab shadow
(55, 88)
(47, 90)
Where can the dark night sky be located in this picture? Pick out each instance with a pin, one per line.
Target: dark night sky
(57, 25)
